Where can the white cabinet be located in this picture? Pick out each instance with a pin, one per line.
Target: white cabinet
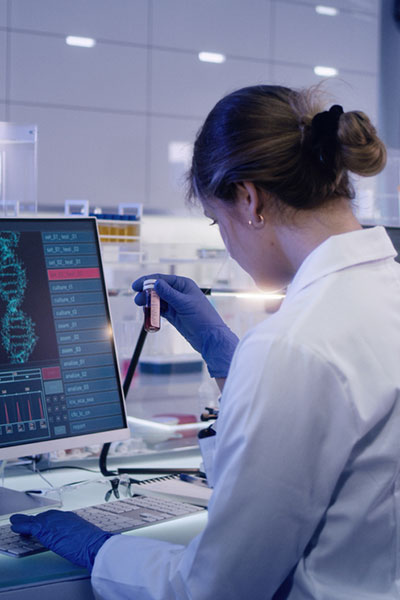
(354, 91)
(347, 41)
(87, 155)
(107, 115)
(233, 27)
(3, 63)
(47, 71)
(171, 142)
(184, 86)
(116, 20)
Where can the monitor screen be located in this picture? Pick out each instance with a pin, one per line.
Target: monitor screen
(59, 378)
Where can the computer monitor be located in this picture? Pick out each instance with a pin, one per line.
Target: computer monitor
(394, 234)
(59, 378)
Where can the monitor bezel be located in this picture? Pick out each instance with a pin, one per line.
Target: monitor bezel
(102, 437)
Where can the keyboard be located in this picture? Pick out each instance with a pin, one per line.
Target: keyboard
(116, 517)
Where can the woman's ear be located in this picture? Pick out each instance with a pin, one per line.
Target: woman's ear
(251, 203)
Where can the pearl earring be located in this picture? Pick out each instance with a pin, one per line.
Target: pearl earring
(259, 223)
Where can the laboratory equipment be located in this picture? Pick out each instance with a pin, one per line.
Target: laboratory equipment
(77, 208)
(58, 366)
(120, 237)
(152, 307)
(122, 229)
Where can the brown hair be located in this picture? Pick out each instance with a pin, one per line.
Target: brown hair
(264, 134)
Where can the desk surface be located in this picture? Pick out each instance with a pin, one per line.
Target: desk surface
(18, 577)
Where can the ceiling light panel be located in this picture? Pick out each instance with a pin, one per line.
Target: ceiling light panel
(82, 42)
(322, 71)
(212, 57)
(328, 11)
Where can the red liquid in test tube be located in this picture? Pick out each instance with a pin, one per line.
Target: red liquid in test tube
(152, 307)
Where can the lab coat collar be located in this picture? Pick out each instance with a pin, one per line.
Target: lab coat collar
(341, 252)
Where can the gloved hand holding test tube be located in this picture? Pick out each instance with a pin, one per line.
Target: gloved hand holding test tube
(186, 307)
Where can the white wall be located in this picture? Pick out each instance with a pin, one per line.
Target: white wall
(106, 115)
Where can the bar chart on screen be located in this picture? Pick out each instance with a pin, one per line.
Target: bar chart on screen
(23, 411)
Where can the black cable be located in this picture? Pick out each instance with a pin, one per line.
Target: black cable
(104, 451)
(126, 385)
(103, 461)
(134, 361)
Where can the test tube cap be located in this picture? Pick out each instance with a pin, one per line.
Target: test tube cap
(148, 284)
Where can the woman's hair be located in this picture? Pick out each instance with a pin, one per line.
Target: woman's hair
(267, 135)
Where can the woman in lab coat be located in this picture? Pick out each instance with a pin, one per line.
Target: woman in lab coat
(305, 462)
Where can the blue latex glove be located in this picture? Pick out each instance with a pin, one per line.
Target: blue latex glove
(65, 533)
(185, 306)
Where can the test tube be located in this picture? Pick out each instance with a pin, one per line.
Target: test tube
(152, 307)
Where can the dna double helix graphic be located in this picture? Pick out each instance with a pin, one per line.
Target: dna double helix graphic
(17, 328)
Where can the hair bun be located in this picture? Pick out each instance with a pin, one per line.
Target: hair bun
(284, 142)
(362, 150)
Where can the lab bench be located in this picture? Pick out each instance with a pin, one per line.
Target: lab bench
(47, 576)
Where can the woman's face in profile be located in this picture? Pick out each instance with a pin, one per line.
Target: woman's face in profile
(255, 250)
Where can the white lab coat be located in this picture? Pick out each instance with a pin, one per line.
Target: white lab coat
(307, 455)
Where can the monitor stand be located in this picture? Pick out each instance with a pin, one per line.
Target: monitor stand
(12, 501)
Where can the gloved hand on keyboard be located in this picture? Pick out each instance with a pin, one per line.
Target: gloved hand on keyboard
(65, 533)
(185, 306)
